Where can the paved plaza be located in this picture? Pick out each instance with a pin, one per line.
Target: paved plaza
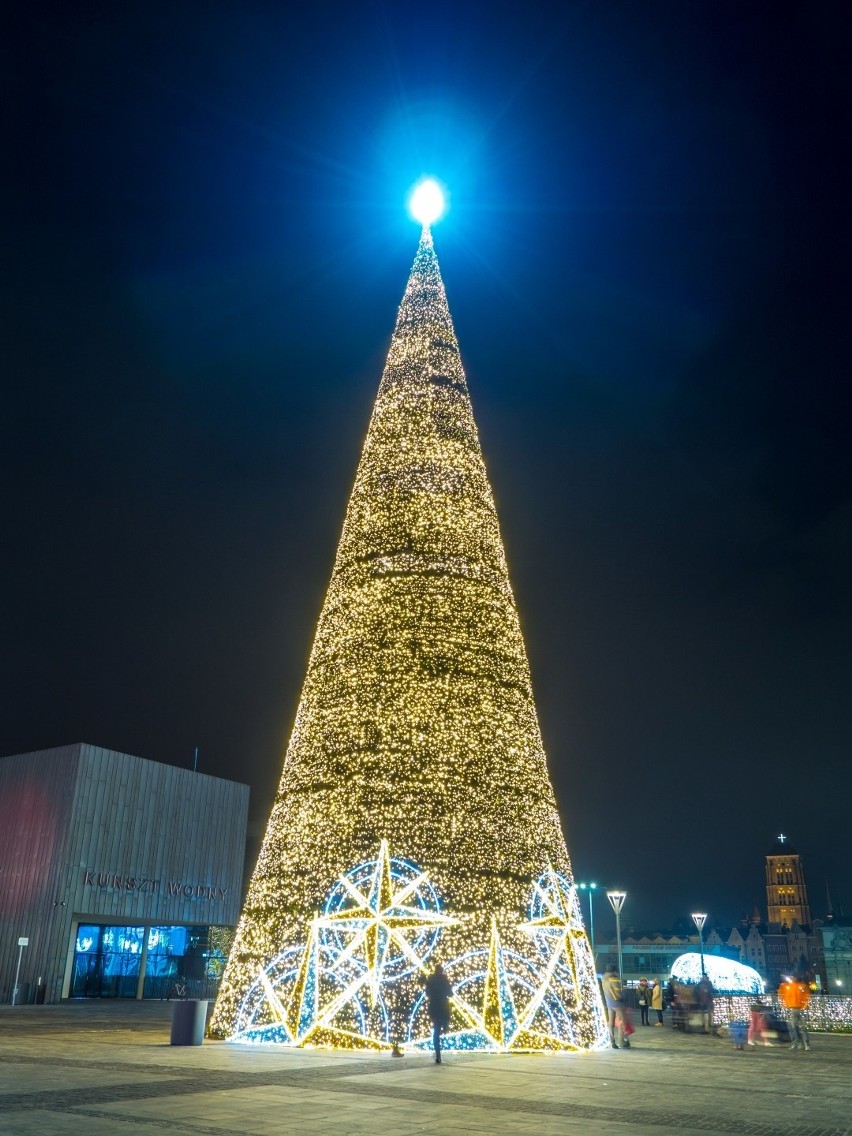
(107, 1069)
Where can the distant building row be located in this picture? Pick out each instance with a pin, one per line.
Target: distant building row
(789, 941)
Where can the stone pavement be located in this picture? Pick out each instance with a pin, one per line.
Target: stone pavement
(107, 1069)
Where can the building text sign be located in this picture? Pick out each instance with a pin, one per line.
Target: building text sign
(116, 881)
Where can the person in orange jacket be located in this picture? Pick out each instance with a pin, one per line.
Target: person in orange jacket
(795, 996)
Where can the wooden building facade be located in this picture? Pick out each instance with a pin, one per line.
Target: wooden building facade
(115, 873)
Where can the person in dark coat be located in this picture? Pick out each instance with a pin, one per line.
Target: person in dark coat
(704, 994)
(643, 1000)
(438, 994)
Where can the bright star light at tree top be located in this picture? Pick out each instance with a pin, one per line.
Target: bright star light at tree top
(427, 201)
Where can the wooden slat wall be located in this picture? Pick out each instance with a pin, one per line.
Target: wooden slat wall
(36, 804)
(124, 816)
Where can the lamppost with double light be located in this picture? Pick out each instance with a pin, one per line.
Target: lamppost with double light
(591, 888)
(616, 899)
(699, 918)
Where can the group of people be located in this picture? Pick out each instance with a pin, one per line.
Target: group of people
(691, 1002)
(649, 996)
(763, 1026)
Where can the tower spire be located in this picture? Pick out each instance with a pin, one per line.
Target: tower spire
(417, 734)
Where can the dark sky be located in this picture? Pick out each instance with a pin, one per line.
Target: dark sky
(204, 245)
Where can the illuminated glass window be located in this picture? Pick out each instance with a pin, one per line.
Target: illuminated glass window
(106, 961)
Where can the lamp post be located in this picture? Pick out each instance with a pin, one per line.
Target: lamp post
(591, 888)
(698, 919)
(616, 899)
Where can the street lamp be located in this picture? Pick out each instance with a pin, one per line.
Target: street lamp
(616, 899)
(698, 919)
(591, 890)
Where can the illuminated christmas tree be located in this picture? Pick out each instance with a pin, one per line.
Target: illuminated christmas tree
(415, 817)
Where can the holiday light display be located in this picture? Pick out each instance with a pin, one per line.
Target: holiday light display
(727, 976)
(366, 959)
(825, 1013)
(415, 817)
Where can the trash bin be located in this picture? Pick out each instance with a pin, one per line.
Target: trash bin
(188, 1021)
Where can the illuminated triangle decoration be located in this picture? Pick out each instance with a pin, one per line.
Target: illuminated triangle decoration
(415, 819)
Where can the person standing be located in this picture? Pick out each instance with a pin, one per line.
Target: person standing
(643, 1000)
(438, 994)
(704, 994)
(756, 1023)
(611, 987)
(795, 997)
(657, 1001)
(671, 1000)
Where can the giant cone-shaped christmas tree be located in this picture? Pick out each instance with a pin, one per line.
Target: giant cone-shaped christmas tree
(415, 819)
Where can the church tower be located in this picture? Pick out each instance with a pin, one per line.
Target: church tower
(786, 892)
(415, 819)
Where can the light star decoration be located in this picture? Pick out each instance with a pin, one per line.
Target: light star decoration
(367, 956)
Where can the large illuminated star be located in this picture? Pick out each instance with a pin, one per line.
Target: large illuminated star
(371, 931)
(380, 922)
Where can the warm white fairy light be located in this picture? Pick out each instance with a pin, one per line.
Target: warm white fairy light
(416, 723)
(824, 1013)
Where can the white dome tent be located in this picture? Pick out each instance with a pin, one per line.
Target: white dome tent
(727, 976)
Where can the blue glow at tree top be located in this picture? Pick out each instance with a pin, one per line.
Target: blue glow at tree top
(427, 201)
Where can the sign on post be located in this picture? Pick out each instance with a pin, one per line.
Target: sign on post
(23, 941)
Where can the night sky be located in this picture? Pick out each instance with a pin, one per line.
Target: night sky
(646, 258)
